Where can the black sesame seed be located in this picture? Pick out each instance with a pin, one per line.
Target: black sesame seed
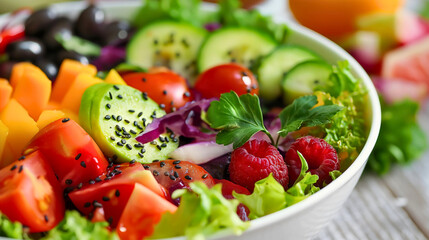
(144, 79)
(117, 166)
(13, 167)
(153, 142)
(118, 128)
(155, 173)
(110, 220)
(118, 133)
(119, 118)
(205, 176)
(166, 174)
(174, 139)
(172, 177)
(108, 106)
(105, 198)
(146, 167)
(131, 110)
(97, 179)
(115, 87)
(123, 141)
(133, 132)
(78, 156)
(112, 138)
(110, 96)
(142, 150)
(164, 145)
(140, 114)
(188, 177)
(161, 139)
(87, 205)
(176, 174)
(46, 218)
(117, 193)
(69, 181)
(21, 158)
(65, 120)
(164, 92)
(119, 96)
(83, 164)
(133, 161)
(176, 161)
(97, 204)
(114, 117)
(107, 117)
(177, 166)
(20, 168)
(141, 155)
(120, 144)
(159, 147)
(244, 74)
(126, 120)
(162, 164)
(144, 94)
(156, 160)
(129, 146)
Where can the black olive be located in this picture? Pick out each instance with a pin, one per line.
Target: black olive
(115, 32)
(63, 54)
(90, 22)
(61, 26)
(48, 67)
(29, 49)
(39, 21)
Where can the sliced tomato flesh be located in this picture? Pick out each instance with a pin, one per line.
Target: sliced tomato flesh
(31, 194)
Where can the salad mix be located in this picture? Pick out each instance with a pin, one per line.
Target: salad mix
(181, 123)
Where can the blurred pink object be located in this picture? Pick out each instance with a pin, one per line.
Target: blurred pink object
(395, 89)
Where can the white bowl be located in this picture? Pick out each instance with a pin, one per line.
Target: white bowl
(305, 219)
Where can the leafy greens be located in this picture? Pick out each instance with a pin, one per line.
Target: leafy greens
(269, 195)
(202, 212)
(10, 229)
(239, 118)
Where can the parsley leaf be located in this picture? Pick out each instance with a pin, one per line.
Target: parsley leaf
(238, 118)
(302, 114)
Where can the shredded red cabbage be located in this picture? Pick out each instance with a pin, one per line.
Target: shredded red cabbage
(110, 56)
(213, 26)
(185, 122)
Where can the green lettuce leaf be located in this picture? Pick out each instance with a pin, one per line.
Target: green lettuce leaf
(76, 227)
(10, 229)
(180, 10)
(238, 118)
(201, 213)
(269, 195)
(231, 14)
(401, 139)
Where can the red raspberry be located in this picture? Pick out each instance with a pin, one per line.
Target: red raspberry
(321, 158)
(255, 160)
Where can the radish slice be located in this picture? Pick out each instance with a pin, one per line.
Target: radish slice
(200, 152)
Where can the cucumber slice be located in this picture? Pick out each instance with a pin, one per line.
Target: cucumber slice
(118, 115)
(167, 43)
(304, 78)
(275, 66)
(86, 105)
(234, 44)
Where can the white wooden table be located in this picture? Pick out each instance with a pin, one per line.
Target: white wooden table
(395, 206)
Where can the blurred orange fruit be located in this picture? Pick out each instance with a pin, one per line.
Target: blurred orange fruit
(336, 18)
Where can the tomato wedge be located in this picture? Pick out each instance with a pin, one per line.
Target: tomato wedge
(143, 211)
(113, 191)
(71, 152)
(30, 193)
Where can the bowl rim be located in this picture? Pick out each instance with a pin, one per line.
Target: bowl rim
(373, 100)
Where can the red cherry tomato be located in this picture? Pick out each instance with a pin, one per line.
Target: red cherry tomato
(225, 78)
(30, 193)
(71, 152)
(168, 89)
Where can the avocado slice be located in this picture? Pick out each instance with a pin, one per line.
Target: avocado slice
(117, 114)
